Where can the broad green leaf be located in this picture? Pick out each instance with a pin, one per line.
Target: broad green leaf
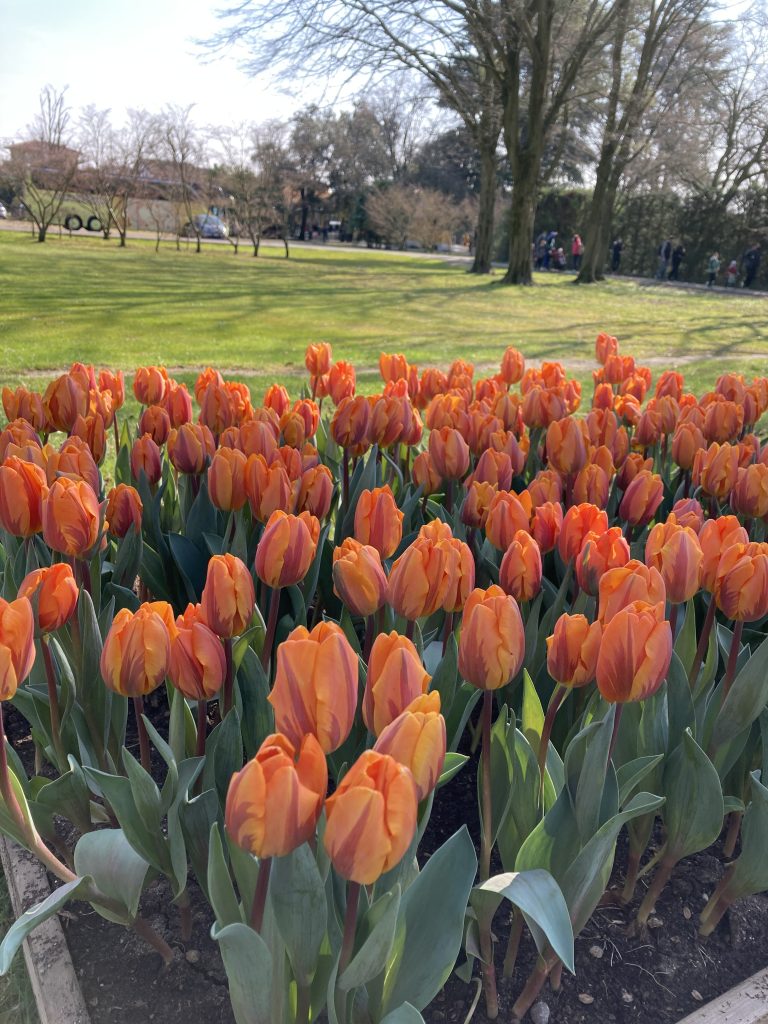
(376, 933)
(445, 678)
(693, 811)
(249, 967)
(588, 800)
(221, 892)
(297, 894)
(118, 871)
(532, 721)
(451, 767)
(405, 1014)
(750, 872)
(631, 774)
(746, 699)
(685, 643)
(502, 768)
(31, 918)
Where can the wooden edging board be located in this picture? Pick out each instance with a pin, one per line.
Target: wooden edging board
(747, 1003)
(49, 964)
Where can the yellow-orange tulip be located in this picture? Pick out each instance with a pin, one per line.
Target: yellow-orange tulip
(749, 496)
(512, 366)
(228, 597)
(156, 422)
(315, 491)
(197, 666)
(226, 479)
(268, 487)
(136, 652)
(71, 518)
(572, 650)
(190, 447)
(520, 572)
(741, 586)
(599, 553)
(714, 537)
(56, 593)
(378, 520)
(629, 583)
(578, 521)
(146, 458)
(492, 643)
(149, 384)
(507, 513)
(635, 652)
(474, 511)
(449, 452)
(358, 577)
(315, 688)
(396, 677)
(287, 548)
(675, 551)
(17, 646)
(641, 498)
(417, 739)
(688, 512)
(715, 469)
(23, 486)
(546, 523)
(317, 358)
(274, 802)
(422, 578)
(124, 510)
(565, 447)
(425, 475)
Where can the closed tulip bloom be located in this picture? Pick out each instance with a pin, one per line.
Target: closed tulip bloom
(315, 491)
(591, 486)
(425, 475)
(358, 577)
(71, 518)
(268, 487)
(371, 818)
(64, 400)
(635, 652)
(605, 345)
(146, 458)
(23, 486)
(572, 650)
(317, 358)
(18, 434)
(512, 366)
(417, 739)
(178, 404)
(17, 646)
(378, 520)
(351, 422)
(198, 665)
(315, 689)
(723, 421)
(542, 406)
(474, 511)
(520, 572)
(226, 479)
(749, 496)
(420, 580)
(459, 574)
(741, 586)
(124, 510)
(341, 381)
(566, 452)
(675, 551)
(287, 548)
(507, 513)
(92, 431)
(136, 652)
(450, 453)
(156, 422)
(56, 592)
(714, 537)
(642, 498)
(631, 582)
(670, 382)
(599, 553)
(688, 512)
(632, 465)
(387, 422)
(396, 677)
(24, 404)
(715, 469)
(228, 597)
(546, 523)
(545, 486)
(274, 802)
(75, 461)
(149, 384)
(190, 447)
(578, 521)
(492, 643)
(686, 441)
(648, 430)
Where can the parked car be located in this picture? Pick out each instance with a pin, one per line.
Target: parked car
(206, 225)
(3, 212)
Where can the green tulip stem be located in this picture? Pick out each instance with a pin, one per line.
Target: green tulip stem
(732, 833)
(533, 986)
(486, 846)
(260, 895)
(116, 428)
(513, 944)
(229, 676)
(202, 727)
(303, 1003)
(144, 753)
(269, 639)
(350, 926)
(345, 481)
(53, 700)
(145, 930)
(703, 644)
(559, 694)
(447, 629)
(660, 878)
(733, 657)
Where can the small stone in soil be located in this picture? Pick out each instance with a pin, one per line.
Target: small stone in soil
(687, 913)
(586, 998)
(627, 997)
(596, 952)
(697, 995)
(192, 956)
(540, 1013)
(655, 922)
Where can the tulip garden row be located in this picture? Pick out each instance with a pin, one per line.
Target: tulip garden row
(340, 600)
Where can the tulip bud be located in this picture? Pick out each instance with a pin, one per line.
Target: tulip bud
(686, 441)
(520, 572)
(749, 496)
(23, 487)
(317, 358)
(17, 646)
(124, 510)
(474, 511)
(226, 479)
(546, 524)
(715, 469)
(512, 366)
(605, 345)
(635, 652)
(268, 488)
(156, 422)
(197, 666)
(149, 384)
(228, 597)
(56, 592)
(688, 512)
(396, 677)
(545, 486)
(675, 551)
(64, 400)
(572, 650)
(714, 537)
(507, 513)
(417, 739)
(71, 518)
(378, 520)
(274, 802)
(449, 452)
(315, 492)
(492, 642)
(425, 475)
(287, 548)
(633, 464)
(136, 652)
(421, 578)
(26, 405)
(341, 381)
(641, 498)
(599, 553)
(565, 446)
(75, 461)
(358, 577)
(591, 486)
(631, 582)
(741, 586)
(190, 447)
(91, 430)
(578, 521)
(315, 689)
(146, 458)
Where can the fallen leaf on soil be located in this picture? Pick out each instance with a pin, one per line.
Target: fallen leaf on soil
(586, 998)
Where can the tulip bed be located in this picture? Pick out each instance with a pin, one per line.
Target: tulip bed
(341, 600)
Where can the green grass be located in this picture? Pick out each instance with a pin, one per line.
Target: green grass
(17, 1004)
(86, 299)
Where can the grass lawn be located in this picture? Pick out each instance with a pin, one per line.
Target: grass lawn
(85, 299)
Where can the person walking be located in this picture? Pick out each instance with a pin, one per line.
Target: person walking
(731, 274)
(712, 268)
(751, 263)
(577, 251)
(664, 253)
(616, 249)
(678, 254)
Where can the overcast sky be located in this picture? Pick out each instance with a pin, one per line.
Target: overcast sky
(129, 53)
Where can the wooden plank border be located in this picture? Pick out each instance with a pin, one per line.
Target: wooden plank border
(746, 1003)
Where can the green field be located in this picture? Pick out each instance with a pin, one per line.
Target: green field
(85, 299)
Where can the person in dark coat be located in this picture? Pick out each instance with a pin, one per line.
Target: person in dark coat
(678, 253)
(616, 248)
(751, 263)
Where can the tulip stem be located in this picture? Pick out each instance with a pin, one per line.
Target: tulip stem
(117, 434)
(53, 700)
(447, 629)
(615, 733)
(558, 696)
(350, 926)
(85, 576)
(486, 845)
(368, 642)
(260, 895)
(673, 619)
(734, 827)
(703, 644)
(345, 481)
(449, 497)
(144, 753)
(303, 1003)
(202, 727)
(532, 988)
(229, 676)
(410, 625)
(513, 944)
(733, 657)
(143, 928)
(269, 639)
(659, 881)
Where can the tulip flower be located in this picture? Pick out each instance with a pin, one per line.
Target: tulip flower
(124, 510)
(635, 652)
(715, 469)
(546, 523)
(136, 652)
(545, 486)
(714, 537)
(641, 498)
(74, 460)
(749, 496)
(572, 650)
(417, 739)
(228, 597)
(629, 583)
(449, 452)
(358, 577)
(675, 551)
(156, 422)
(425, 475)
(578, 521)
(599, 553)
(146, 458)
(378, 520)
(512, 366)
(178, 404)
(268, 487)
(315, 689)
(474, 511)
(459, 576)
(492, 643)
(396, 677)
(688, 512)
(317, 358)
(315, 492)
(64, 400)
(23, 487)
(56, 592)
(26, 405)
(507, 513)
(422, 578)
(287, 548)
(92, 430)
(741, 585)
(149, 384)
(17, 647)
(371, 818)
(591, 486)
(387, 423)
(686, 441)
(197, 666)
(258, 437)
(605, 345)
(566, 452)
(226, 479)
(71, 518)
(190, 447)
(520, 572)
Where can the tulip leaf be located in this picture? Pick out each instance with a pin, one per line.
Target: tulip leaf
(227, 753)
(249, 967)
(36, 915)
(201, 518)
(445, 675)
(539, 897)
(462, 707)
(588, 798)
(221, 892)
(750, 872)
(297, 894)
(524, 812)
(405, 1014)
(68, 796)
(431, 925)
(680, 710)
(377, 931)
(118, 871)
(128, 559)
(93, 696)
(502, 770)
(554, 842)
(685, 643)
(139, 833)
(258, 719)
(451, 767)
(195, 819)
(191, 564)
(693, 811)
(745, 700)
(630, 775)
(532, 721)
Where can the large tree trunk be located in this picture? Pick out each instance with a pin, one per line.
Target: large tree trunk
(521, 217)
(42, 231)
(599, 220)
(485, 213)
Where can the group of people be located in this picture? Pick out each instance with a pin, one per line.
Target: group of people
(549, 254)
(670, 257)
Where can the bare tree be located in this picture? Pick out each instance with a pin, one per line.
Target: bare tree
(180, 145)
(434, 218)
(390, 214)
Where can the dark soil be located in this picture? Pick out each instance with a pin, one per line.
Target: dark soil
(657, 978)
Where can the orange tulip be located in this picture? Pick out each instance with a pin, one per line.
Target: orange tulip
(425, 475)
(686, 441)
(641, 498)
(73, 460)
(688, 512)
(124, 510)
(715, 469)
(572, 650)
(459, 573)
(542, 406)
(287, 548)
(378, 520)
(258, 437)
(635, 652)
(156, 422)
(632, 465)
(136, 652)
(315, 689)
(545, 486)
(315, 492)
(741, 586)
(417, 740)
(274, 802)
(26, 405)
(71, 518)
(474, 511)
(507, 513)
(17, 646)
(512, 366)
(56, 592)
(566, 452)
(605, 345)
(492, 643)
(268, 487)
(629, 583)
(358, 577)
(197, 666)
(749, 496)
(351, 422)
(675, 551)
(546, 524)
(396, 677)
(146, 458)
(520, 572)
(670, 382)
(317, 358)
(178, 404)
(723, 421)
(599, 553)
(91, 430)
(578, 521)
(449, 452)
(149, 384)
(422, 578)
(714, 537)
(190, 447)
(591, 486)
(64, 400)
(226, 479)
(23, 487)
(228, 597)
(341, 381)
